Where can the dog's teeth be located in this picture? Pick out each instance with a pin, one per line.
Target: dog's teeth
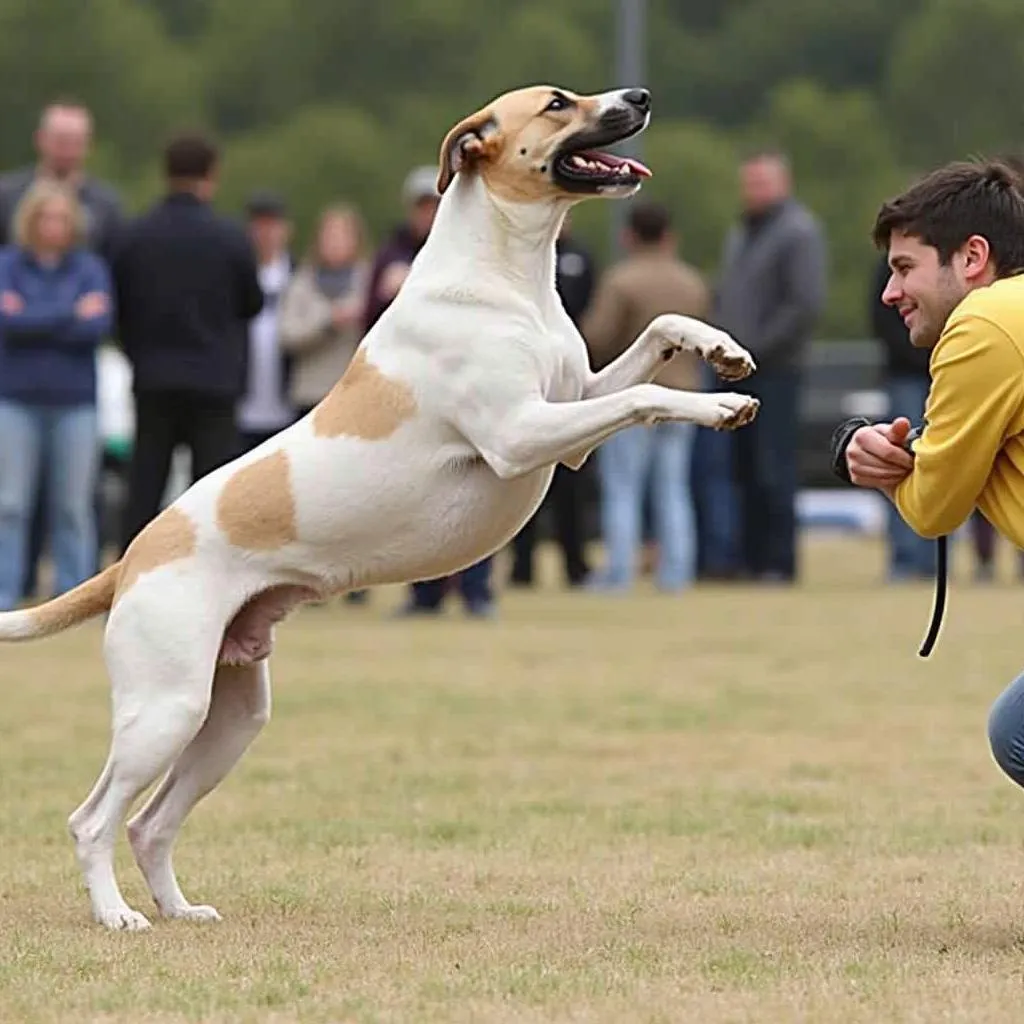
(578, 161)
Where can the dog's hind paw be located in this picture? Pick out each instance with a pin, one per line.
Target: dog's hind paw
(122, 919)
(192, 912)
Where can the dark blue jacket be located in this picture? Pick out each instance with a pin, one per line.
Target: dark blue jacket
(48, 352)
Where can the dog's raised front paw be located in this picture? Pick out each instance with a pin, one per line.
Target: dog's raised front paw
(733, 410)
(731, 361)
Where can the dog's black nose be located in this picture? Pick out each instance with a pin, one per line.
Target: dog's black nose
(639, 98)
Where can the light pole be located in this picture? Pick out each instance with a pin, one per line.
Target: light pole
(630, 71)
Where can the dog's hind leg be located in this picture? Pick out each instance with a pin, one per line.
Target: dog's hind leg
(239, 708)
(161, 672)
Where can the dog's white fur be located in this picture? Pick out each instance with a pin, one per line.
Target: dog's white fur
(434, 449)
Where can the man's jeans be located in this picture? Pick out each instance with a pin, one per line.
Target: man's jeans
(627, 462)
(61, 441)
(910, 555)
(1006, 730)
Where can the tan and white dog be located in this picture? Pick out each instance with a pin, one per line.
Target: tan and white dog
(431, 452)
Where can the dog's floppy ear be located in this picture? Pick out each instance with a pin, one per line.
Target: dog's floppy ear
(474, 138)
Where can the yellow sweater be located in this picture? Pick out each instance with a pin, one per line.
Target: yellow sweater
(971, 452)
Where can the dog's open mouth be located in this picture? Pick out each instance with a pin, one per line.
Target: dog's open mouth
(579, 166)
(593, 167)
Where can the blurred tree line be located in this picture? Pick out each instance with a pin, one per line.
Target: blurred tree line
(325, 99)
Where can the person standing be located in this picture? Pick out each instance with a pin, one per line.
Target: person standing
(770, 294)
(63, 141)
(186, 287)
(265, 409)
(651, 280)
(55, 309)
(323, 307)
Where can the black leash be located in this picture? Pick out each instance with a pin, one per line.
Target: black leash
(841, 438)
(941, 575)
(939, 602)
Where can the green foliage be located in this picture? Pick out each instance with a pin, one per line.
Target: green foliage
(336, 101)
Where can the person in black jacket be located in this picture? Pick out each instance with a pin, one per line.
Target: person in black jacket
(574, 281)
(907, 380)
(186, 287)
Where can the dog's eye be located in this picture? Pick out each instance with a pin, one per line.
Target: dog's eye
(559, 102)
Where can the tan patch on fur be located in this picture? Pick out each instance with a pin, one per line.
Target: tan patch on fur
(88, 599)
(256, 507)
(364, 403)
(168, 538)
(522, 123)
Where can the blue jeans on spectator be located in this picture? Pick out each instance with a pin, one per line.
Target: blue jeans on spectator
(627, 462)
(910, 555)
(473, 583)
(63, 442)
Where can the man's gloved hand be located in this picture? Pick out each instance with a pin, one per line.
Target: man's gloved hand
(841, 438)
(873, 454)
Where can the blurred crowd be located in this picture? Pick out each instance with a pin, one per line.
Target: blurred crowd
(232, 334)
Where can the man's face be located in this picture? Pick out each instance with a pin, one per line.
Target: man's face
(270, 235)
(63, 139)
(924, 291)
(764, 181)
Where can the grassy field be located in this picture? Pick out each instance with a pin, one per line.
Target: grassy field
(729, 806)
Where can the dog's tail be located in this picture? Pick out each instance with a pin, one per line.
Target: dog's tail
(87, 600)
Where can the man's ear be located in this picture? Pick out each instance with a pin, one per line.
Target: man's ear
(473, 139)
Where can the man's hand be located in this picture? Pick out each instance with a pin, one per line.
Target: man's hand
(876, 456)
(91, 304)
(10, 303)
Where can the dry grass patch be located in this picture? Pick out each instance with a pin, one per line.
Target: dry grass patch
(729, 806)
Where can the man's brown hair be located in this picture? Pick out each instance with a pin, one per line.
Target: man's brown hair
(190, 156)
(963, 198)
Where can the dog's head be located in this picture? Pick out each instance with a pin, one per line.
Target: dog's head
(540, 143)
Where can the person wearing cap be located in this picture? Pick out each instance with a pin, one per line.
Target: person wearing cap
(265, 408)
(420, 197)
(389, 270)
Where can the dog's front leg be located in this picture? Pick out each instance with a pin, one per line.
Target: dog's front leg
(663, 338)
(534, 433)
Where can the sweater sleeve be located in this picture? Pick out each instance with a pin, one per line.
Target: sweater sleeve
(41, 319)
(91, 330)
(974, 405)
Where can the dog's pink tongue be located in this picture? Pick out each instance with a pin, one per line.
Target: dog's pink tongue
(636, 167)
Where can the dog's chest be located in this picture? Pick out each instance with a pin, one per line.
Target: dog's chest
(565, 363)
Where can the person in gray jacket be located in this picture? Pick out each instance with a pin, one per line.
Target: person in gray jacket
(770, 294)
(62, 141)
